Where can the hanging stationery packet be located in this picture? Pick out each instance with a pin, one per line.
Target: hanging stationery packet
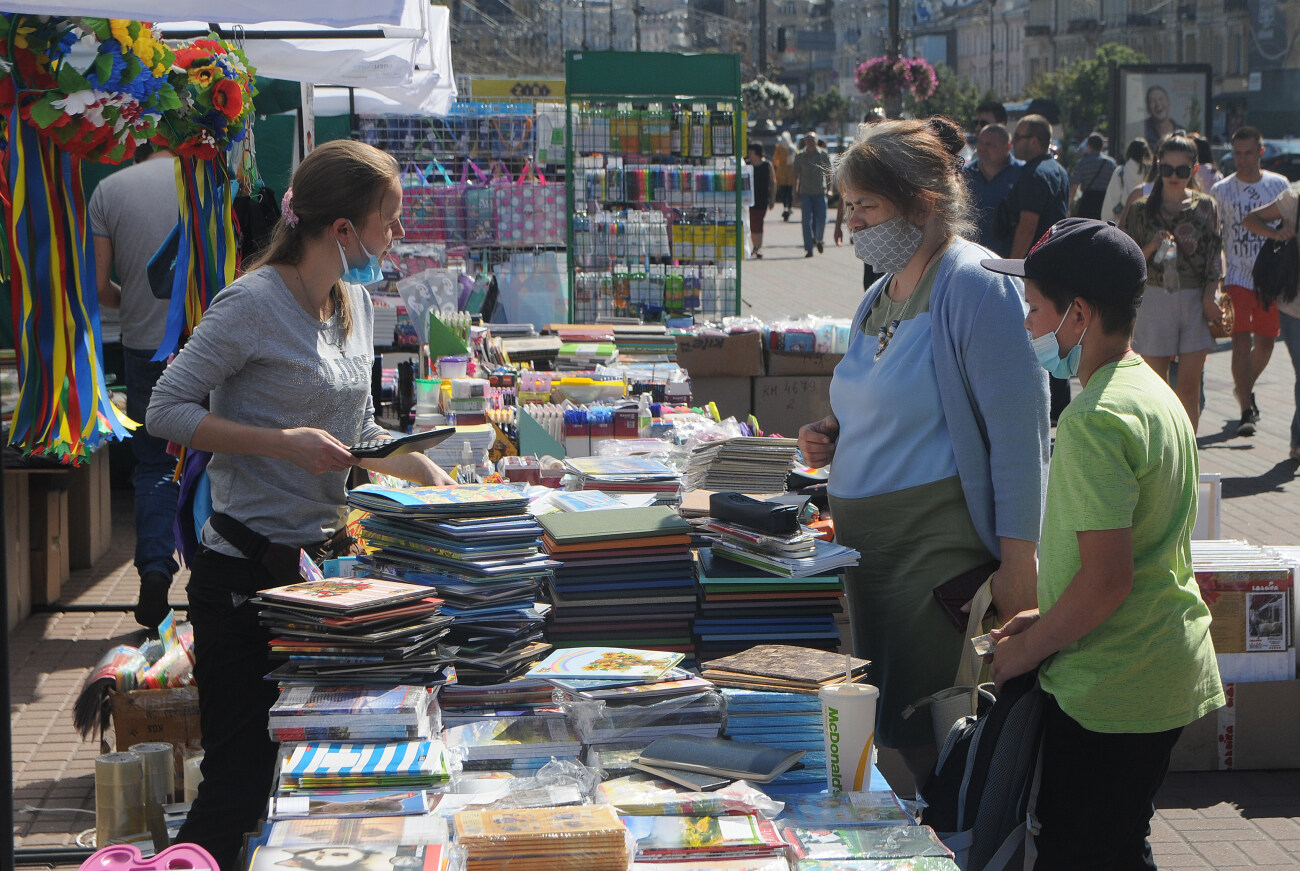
(480, 211)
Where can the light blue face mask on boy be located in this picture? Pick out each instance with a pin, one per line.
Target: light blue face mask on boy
(367, 273)
(1048, 352)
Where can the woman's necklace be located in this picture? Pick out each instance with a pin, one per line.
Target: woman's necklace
(328, 328)
(886, 332)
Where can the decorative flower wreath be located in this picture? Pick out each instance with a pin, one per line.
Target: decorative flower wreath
(883, 78)
(197, 99)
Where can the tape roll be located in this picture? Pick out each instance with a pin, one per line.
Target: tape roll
(119, 798)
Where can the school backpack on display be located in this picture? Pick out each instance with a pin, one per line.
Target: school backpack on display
(982, 793)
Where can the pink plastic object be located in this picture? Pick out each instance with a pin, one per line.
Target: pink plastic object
(126, 857)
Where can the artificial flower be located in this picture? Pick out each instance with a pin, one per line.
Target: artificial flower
(228, 98)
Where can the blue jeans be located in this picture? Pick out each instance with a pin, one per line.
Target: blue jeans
(155, 491)
(1291, 335)
(812, 210)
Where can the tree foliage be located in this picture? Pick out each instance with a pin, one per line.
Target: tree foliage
(766, 99)
(1082, 89)
(954, 98)
(828, 107)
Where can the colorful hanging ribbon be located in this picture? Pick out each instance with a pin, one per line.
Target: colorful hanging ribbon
(205, 260)
(63, 407)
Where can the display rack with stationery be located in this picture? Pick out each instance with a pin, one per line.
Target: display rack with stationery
(653, 184)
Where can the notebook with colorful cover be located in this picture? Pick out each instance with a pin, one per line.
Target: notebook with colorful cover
(377, 856)
(345, 595)
(359, 831)
(351, 803)
(783, 663)
(606, 662)
(891, 842)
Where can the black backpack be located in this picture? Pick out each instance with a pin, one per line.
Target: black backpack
(982, 793)
(1276, 272)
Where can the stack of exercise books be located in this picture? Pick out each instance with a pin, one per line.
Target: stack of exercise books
(585, 356)
(704, 838)
(746, 464)
(582, 838)
(426, 857)
(628, 475)
(517, 744)
(518, 697)
(632, 696)
(478, 547)
(783, 668)
(877, 808)
(1250, 592)
(887, 842)
(389, 765)
(742, 606)
(355, 713)
(644, 344)
(626, 579)
(355, 631)
(791, 721)
(799, 555)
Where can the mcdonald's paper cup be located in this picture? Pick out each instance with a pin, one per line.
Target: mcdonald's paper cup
(849, 729)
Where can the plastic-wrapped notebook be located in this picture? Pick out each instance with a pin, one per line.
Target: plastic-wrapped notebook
(752, 762)
(781, 665)
(606, 662)
(359, 831)
(421, 857)
(891, 842)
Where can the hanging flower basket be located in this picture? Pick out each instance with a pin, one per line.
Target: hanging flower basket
(883, 78)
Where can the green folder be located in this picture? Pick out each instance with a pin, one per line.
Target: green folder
(584, 526)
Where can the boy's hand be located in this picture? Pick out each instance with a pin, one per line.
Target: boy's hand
(1012, 656)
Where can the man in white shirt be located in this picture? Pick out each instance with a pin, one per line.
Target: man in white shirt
(1254, 328)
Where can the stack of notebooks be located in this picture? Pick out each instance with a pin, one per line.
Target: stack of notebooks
(393, 765)
(517, 697)
(585, 356)
(477, 546)
(427, 857)
(628, 475)
(626, 578)
(699, 839)
(1250, 592)
(520, 745)
(799, 555)
(742, 606)
(871, 809)
(354, 713)
(355, 631)
(888, 842)
(748, 464)
(624, 696)
(583, 838)
(783, 668)
(791, 721)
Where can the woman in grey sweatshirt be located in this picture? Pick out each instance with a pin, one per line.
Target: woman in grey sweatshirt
(282, 357)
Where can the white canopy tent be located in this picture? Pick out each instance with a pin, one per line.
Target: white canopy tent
(331, 13)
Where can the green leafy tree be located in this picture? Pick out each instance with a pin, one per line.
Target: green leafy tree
(954, 98)
(1082, 89)
(828, 107)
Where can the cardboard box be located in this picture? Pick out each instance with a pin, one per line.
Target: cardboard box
(731, 393)
(170, 715)
(1255, 730)
(783, 404)
(794, 363)
(737, 354)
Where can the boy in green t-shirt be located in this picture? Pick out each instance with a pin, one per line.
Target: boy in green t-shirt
(1121, 637)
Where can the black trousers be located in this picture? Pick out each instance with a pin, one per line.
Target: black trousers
(1095, 800)
(230, 663)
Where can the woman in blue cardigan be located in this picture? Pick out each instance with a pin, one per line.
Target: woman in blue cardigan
(938, 429)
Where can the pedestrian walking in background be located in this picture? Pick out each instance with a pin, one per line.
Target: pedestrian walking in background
(783, 163)
(1091, 178)
(812, 166)
(764, 194)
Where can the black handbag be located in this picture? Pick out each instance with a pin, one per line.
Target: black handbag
(1277, 270)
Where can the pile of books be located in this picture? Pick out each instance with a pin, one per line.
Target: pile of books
(783, 668)
(1250, 591)
(355, 713)
(478, 547)
(632, 697)
(585, 356)
(862, 843)
(697, 839)
(628, 475)
(791, 721)
(748, 464)
(625, 578)
(517, 697)
(393, 764)
(798, 555)
(878, 808)
(355, 631)
(520, 745)
(583, 838)
(644, 343)
(742, 606)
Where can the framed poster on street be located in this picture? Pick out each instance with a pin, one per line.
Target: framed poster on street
(1153, 100)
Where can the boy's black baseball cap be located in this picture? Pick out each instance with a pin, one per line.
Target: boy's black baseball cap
(1092, 259)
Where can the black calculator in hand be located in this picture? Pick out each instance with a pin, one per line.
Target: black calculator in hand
(391, 447)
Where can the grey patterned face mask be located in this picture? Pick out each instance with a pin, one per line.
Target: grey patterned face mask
(888, 246)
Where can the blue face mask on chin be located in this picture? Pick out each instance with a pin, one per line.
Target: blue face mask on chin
(1049, 356)
(367, 273)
